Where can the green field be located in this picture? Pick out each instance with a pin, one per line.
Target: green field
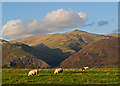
(69, 76)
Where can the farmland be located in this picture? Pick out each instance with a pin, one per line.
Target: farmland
(69, 76)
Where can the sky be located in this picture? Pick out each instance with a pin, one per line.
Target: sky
(25, 19)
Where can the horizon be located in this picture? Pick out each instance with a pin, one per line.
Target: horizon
(24, 19)
(57, 33)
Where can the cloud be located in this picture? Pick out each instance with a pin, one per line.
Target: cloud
(102, 23)
(88, 25)
(55, 21)
(112, 20)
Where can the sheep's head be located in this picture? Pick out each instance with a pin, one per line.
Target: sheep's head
(28, 74)
(55, 72)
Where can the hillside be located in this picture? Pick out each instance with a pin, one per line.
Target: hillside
(102, 53)
(67, 42)
(19, 54)
(55, 48)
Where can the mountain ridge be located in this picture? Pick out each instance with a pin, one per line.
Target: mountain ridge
(55, 48)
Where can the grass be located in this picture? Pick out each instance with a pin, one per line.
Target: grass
(69, 76)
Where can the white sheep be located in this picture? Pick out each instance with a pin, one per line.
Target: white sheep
(59, 70)
(85, 68)
(33, 72)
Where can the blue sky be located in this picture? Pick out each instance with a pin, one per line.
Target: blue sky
(102, 17)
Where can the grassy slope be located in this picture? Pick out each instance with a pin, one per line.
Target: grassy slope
(69, 76)
(102, 53)
(16, 52)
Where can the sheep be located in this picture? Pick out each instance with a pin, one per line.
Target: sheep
(59, 70)
(33, 72)
(85, 68)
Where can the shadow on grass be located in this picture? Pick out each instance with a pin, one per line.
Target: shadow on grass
(31, 81)
(45, 75)
(70, 72)
(64, 73)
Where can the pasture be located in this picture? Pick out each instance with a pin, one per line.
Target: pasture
(69, 76)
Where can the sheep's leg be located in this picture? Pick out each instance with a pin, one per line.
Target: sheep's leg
(36, 73)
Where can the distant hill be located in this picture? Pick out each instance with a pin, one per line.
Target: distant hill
(19, 54)
(55, 48)
(2, 41)
(112, 34)
(102, 53)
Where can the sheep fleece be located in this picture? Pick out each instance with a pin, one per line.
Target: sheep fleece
(59, 70)
(33, 72)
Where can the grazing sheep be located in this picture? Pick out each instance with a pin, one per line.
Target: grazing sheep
(59, 70)
(85, 68)
(33, 72)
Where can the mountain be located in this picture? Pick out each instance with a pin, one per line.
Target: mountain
(19, 54)
(101, 53)
(55, 48)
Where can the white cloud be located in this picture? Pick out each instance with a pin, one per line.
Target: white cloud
(55, 21)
